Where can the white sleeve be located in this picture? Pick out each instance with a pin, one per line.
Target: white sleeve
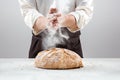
(83, 12)
(29, 12)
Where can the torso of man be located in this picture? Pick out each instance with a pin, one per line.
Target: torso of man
(82, 11)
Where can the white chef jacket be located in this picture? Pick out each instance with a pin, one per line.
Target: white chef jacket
(82, 10)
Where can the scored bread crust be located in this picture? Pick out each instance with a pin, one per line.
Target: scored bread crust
(58, 58)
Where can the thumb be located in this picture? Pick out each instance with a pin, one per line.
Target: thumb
(52, 10)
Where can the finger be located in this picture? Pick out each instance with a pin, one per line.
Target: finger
(53, 19)
(57, 14)
(52, 16)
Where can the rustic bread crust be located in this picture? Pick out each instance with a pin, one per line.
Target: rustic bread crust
(58, 58)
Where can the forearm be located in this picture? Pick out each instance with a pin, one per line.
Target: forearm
(83, 12)
(29, 12)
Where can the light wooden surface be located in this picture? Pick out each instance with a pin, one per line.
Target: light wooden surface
(94, 69)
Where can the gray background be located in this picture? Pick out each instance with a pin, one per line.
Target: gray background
(100, 38)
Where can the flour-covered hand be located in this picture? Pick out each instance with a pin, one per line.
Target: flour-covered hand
(40, 24)
(68, 21)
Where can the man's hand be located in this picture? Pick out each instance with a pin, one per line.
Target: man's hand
(40, 24)
(68, 21)
(50, 20)
(53, 19)
(52, 16)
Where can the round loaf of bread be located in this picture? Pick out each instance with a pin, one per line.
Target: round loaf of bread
(58, 58)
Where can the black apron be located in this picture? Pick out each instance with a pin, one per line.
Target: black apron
(73, 43)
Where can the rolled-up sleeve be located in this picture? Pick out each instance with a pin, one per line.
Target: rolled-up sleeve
(83, 12)
(29, 11)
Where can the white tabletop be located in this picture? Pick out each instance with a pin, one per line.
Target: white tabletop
(94, 69)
